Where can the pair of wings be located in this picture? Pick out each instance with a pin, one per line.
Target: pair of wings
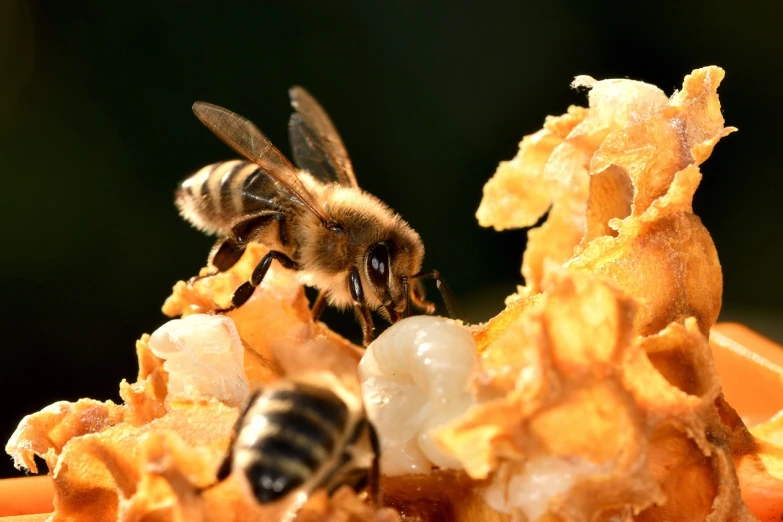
(315, 143)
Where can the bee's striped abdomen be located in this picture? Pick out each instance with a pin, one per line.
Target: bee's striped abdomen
(220, 194)
(287, 436)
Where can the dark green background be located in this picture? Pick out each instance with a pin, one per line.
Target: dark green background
(96, 130)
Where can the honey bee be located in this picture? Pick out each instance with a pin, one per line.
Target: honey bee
(297, 436)
(344, 241)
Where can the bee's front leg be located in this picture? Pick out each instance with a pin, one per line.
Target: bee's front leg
(365, 317)
(246, 289)
(319, 305)
(418, 300)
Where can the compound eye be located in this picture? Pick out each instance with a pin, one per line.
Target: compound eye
(378, 265)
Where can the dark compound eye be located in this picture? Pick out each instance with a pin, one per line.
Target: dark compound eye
(378, 265)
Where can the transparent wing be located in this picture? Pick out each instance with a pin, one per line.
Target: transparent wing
(316, 144)
(241, 135)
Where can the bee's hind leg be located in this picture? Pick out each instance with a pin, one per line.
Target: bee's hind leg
(246, 289)
(225, 254)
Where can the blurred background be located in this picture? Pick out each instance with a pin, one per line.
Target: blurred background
(96, 130)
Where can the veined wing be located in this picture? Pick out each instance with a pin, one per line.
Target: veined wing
(241, 135)
(315, 142)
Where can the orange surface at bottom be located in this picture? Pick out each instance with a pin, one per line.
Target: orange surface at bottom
(750, 367)
(25, 495)
(38, 517)
(751, 371)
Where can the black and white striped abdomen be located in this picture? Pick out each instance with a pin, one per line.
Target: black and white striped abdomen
(290, 436)
(219, 194)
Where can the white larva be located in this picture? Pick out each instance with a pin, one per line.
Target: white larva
(414, 378)
(204, 357)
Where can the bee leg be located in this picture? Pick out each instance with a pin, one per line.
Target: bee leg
(223, 256)
(375, 470)
(393, 315)
(211, 273)
(226, 253)
(226, 467)
(319, 305)
(246, 289)
(223, 472)
(365, 317)
(417, 299)
(358, 477)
